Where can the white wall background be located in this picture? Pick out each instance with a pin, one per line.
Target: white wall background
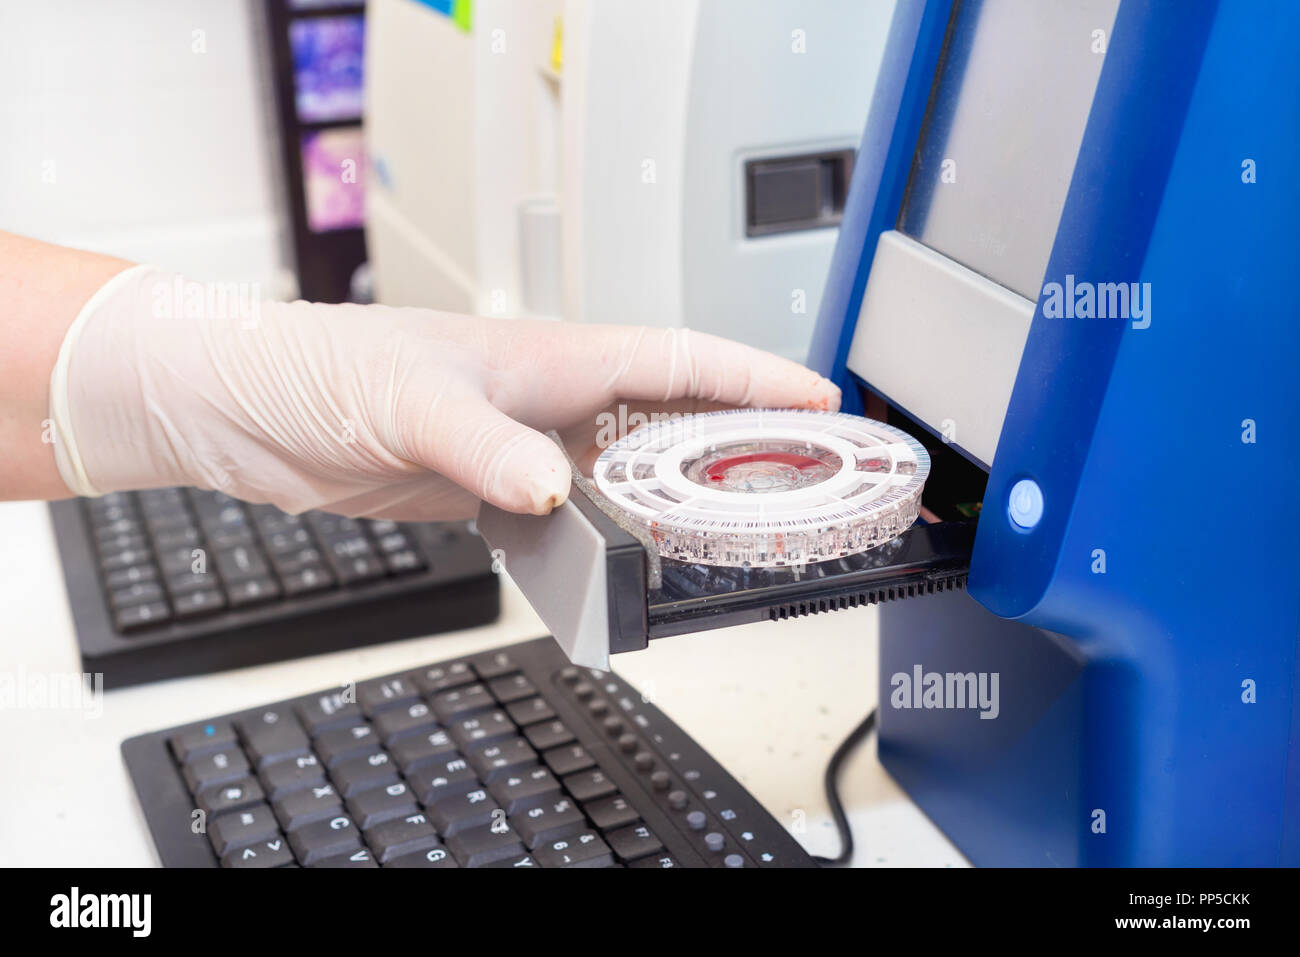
(124, 129)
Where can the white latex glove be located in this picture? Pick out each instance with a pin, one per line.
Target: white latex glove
(367, 410)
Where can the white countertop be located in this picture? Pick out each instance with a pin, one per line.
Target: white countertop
(770, 702)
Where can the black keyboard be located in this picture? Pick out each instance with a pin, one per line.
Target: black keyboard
(509, 758)
(177, 581)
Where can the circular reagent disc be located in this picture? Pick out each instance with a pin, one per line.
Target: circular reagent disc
(765, 487)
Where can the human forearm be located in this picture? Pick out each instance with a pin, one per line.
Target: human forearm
(404, 413)
(42, 288)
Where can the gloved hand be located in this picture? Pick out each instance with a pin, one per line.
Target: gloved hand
(367, 410)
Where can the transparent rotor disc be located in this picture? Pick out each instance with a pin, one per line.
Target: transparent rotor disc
(764, 487)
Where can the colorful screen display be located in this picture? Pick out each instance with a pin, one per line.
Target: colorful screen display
(327, 73)
(333, 167)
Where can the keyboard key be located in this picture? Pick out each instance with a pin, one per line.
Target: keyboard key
(209, 737)
(441, 678)
(584, 849)
(270, 519)
(136, 617)
(549, 821)
(223, 537)
(511, 688)
(377, 805)
(273, 735)
(165, 523)
(326, 524)
(122, 543)
(117, 559)
(177, 536)
(611, 812)
(525, 789)
(252, 591)
(324, 839)
(363, 772)
(216, 767)
(200, 601)
(375, 696)
(520, 863)
(460, 811)
(546, 736)
(111, 507)
(186, 581)
(569, 759)
(404, 562)
(501, 758)
(443, 779)
(281, 541)
(328, 711)
(433, 857)
(495, 664)
(178, 562)
(644, 762)
(232, 796)
(300, 808)
(226, 519)
(417, 751)
(124, 524)
(132, 574)
(272, 853)
(482, 844)
(294, 563)
(361, 857)
(589, 785)
(140, 593)
(303, 581)
(241, 828)
(662, 861)
(295, 774)
(358, 569)
(531, 711)
(633, 842)
(169, 523)
(401, 836)
(342, 743)
(396, 722)
(462, 702)
(391, 541)
(241, 563)
(481, 729)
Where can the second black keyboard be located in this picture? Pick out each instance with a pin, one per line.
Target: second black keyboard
(176, 581)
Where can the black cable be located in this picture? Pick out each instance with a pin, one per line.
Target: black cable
(833, 791)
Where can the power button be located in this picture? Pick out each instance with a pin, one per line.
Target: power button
(1025, 504)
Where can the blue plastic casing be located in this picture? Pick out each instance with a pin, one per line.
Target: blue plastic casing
(1144, 629)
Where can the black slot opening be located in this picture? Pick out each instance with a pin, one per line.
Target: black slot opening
(954, 491)
(790, 193)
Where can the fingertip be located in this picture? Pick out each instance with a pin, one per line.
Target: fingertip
(831, 395)
(825, 396)
(553, 501)
(549, 491)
